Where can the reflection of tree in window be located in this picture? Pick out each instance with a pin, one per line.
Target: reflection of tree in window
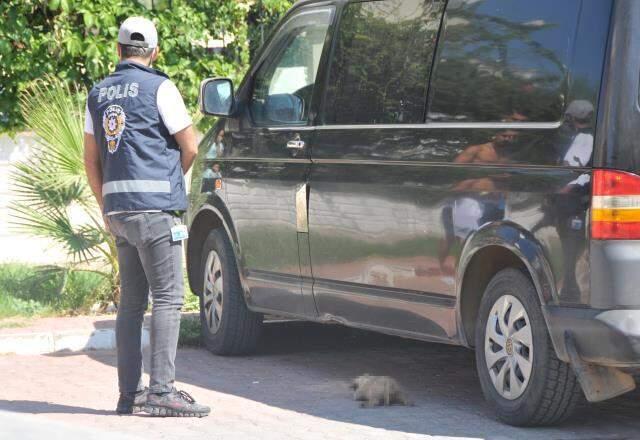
(382, 62)
(498, 62)
(287, 78)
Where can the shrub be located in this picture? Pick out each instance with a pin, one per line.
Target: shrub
(74, 40)
(27, 290)
(189, 332)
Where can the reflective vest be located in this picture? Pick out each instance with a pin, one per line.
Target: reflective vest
(141, 165)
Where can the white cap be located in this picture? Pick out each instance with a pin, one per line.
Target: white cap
(580, 109)
(138, 31)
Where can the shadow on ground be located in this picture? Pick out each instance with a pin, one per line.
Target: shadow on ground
(35, 407)
(306, 368)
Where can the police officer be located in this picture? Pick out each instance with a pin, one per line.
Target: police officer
(139, 142)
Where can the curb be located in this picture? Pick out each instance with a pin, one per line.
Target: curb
(86, 339)
(63, 342)
(101, 335)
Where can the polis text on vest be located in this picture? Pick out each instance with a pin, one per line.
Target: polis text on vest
(118, 91)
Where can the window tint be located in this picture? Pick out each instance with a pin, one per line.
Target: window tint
(284, 84)
(383, 55)
(503, 60)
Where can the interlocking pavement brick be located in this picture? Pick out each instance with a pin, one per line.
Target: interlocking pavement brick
(295, 387)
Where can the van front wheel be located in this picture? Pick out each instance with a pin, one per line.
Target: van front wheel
(228, 326)
(520, 374)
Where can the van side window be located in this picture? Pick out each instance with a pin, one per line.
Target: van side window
(501, 63)
(382, 60)
(284, 84)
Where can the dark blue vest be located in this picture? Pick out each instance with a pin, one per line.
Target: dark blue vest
(140, 160)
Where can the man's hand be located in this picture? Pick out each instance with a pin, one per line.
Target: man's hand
(105, 220)
(186, 139)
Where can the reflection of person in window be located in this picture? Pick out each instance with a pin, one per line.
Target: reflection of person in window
(489, 152)
(578, 118)
(566, 210)
(217, 148)
(465, 214)
(213, 172)
(572, 202)
(578, 121)
(209, 177)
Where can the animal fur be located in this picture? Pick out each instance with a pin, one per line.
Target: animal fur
(378, 391)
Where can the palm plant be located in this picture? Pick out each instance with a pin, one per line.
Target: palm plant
(51, 185)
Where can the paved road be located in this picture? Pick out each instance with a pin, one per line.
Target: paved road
(294, 388)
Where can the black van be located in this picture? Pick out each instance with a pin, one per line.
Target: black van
(461, 171)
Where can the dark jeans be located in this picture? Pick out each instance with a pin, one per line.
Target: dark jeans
(149, 261)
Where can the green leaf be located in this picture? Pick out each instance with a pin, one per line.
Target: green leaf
(74, 46)
(88, 19)
(92, 51)
(5, 47)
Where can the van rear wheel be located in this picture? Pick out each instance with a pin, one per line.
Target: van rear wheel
(228, 327)
(520, 374)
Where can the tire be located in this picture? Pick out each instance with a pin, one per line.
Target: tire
(550, 392)
(231, 328)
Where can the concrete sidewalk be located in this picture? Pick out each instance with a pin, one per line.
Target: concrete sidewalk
(65, 334)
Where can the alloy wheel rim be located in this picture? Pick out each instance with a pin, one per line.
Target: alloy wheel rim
(508, 348)
(212, 293)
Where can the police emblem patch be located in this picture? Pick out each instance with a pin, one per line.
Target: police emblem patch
(113, 122)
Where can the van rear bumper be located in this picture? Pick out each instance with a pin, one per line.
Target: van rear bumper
(603, 337)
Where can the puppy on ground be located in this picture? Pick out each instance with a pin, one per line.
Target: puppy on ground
(378, 391)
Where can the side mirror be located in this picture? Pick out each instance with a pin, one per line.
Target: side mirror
(284, 108)
(216, 97)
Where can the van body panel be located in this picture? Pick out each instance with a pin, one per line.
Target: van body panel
(614, 264)
(398, 206)
(264, 215)
(619, 112)
(518, 240)
(392, 207)
(260, 170)
(385, 220)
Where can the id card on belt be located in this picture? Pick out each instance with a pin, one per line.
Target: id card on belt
(179, 233)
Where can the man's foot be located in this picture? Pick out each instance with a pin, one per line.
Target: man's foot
(130, 403)
(174, 404)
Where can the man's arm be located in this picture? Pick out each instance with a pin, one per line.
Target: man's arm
(93, 167)
(186, 139)
(467, 155)
(176, 118)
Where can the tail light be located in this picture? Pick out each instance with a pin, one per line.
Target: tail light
(615, 206)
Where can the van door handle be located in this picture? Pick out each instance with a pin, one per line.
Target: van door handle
(296, 144)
